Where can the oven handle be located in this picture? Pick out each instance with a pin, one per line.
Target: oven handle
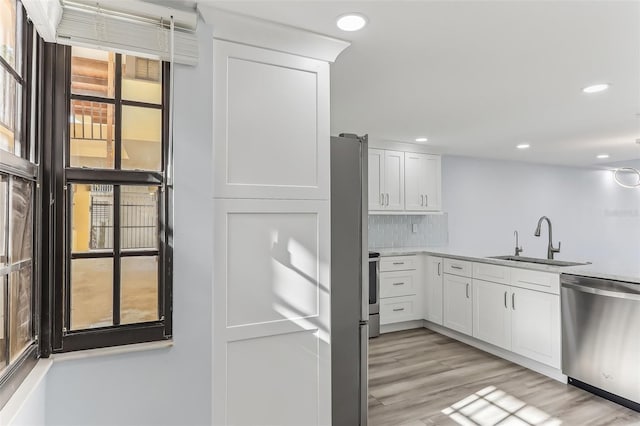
(601, 292)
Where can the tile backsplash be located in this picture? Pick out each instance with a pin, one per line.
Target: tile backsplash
(397, 231)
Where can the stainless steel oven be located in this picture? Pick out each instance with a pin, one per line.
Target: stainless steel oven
(374, 290)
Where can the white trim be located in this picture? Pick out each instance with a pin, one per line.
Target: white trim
(114, 350)
(24, 391)
(256, 32)
(405, 147)
(543, 369)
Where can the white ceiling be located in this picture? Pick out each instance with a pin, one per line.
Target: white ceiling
(479, 77)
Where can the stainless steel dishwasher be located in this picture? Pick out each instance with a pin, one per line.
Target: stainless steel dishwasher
(601, 337)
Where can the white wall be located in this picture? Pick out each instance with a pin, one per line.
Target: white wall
(487, 200)
(169, 386)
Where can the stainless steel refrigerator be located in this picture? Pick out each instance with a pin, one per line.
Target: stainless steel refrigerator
(349, 280)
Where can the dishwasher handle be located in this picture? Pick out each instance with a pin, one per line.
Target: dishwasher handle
(602, 291)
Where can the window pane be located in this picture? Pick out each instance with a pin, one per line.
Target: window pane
(4, 210)
(7, 110)
(21, 219)
(139, 217)
(4, 323)
(141, 138)
(20, 331)
(141, 79)
(91, 218)
(8, 21)
(92, 72)
(138, 289)
(92, 134)
(91, 293)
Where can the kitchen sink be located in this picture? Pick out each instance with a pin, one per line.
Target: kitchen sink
(539, 261)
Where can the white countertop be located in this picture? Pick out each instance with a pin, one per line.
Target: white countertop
(611, 271)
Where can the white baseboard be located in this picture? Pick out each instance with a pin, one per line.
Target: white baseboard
(536, 366)
(399, 326)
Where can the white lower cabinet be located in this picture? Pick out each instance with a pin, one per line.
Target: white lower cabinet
(400, 291)
(491, 313)
(523, 321)
(458, 307)
(535, 319)
(433, 297)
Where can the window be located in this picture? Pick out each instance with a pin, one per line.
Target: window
(115, 285)
(19, 292)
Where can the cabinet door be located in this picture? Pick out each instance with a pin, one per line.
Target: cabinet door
(457, 314)
(430, 182)
(536, 325)
(491, 313)
(433, 294)
(415, 174)
(376, 179)
(394, 180)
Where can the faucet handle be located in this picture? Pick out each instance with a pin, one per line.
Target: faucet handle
(556, 250)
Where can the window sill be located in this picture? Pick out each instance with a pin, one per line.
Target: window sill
(24, 391)
(39, 372)
(114, 350)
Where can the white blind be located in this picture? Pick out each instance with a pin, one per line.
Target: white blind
(90, 29)
(134, 28)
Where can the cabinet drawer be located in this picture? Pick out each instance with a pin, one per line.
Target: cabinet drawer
(536, 280)
(397, 283)
(457, 267)
(398, 309)
(493, 273)
(397, 263)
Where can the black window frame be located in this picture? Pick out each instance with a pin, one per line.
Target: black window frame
(59, 175)
(25, 166)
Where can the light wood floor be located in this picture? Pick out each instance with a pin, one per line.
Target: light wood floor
(418, 377)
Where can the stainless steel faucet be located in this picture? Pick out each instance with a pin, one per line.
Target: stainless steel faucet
(550, 249)
(518, 249)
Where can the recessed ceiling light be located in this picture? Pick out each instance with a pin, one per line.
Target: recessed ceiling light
(351, 22)
(422, 139)
(602, 156)
(596, 88)
(523, 146)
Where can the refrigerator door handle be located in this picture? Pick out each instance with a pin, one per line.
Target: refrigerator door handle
(364, 373)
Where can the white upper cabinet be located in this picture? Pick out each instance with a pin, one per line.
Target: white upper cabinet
(386, 180)
(422, 182)
(394, 180)
(376, 179)
(404, 181)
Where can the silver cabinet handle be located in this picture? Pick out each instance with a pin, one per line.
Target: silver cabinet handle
(456, 267)
(513, 301)
(438, 268)
(387, 198)
(398, 309)
(398, 283)
(505, 300)
(426, 200)
(381, 199)
(467, 290)
(421, 200)
(398, 263)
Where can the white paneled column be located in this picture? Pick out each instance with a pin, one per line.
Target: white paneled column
(271, 289)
